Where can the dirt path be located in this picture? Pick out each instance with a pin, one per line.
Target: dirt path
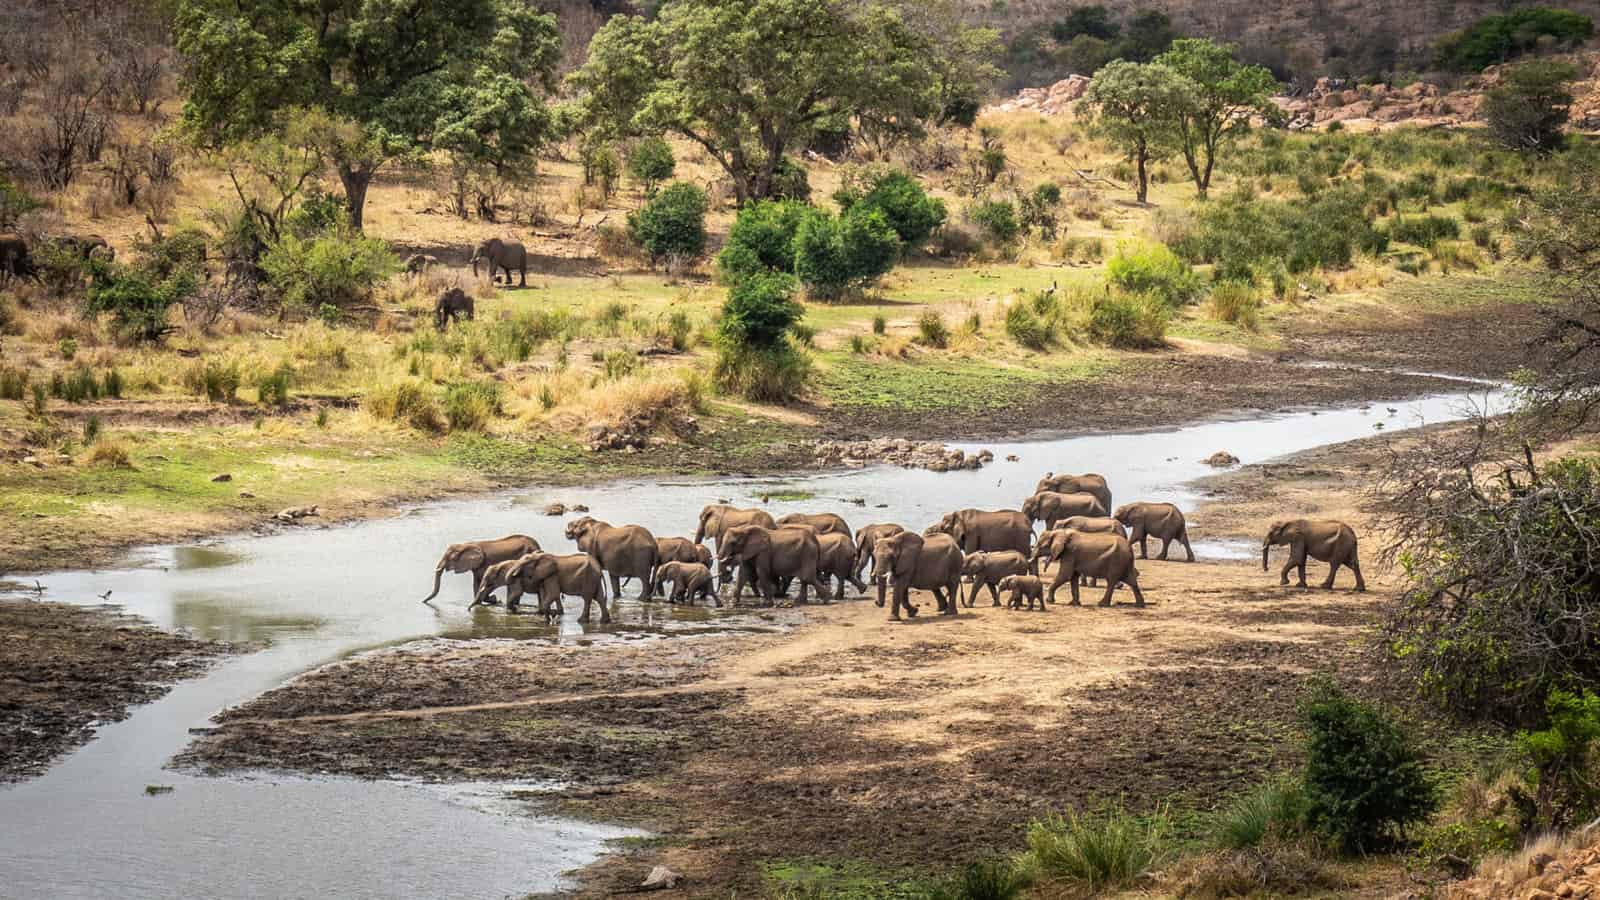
(66, 669)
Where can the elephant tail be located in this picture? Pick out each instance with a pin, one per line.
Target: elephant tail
(437, 575)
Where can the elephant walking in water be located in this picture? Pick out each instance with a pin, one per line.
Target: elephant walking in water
(821, 523)
(768, 554)
(552, 577)
(715, 521)
(478, 556)
(1327, 540)
(628, 551)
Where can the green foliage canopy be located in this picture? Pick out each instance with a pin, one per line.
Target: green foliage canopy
(1221, 95)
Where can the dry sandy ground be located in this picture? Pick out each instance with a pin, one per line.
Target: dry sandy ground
(839, 735)
(66, 669)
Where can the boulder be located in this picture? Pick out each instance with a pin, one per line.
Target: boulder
(555, 509)
(660, 878)
(1221, 459)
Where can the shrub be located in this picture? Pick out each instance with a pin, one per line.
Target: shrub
(273, 389)
(765, 374)
(600, 166)
(1027, 328)
(1562, 761)
(762, 239)
(91, 431)
(879, 324)
(651, 163)
(1038, 210)
(835, 257)
(67, 347)
(1097, 851)
(1530, 105)
(137, 301)
(77, 387)
(759, 312)
(184, 250)
(904, 204)
(336, 269)
(860, 344)
(1155, 270)
(10, 322)
(408, 401)
(1242, 235)
(1495, 39)
(1236, 303)
(215, 380)
(13, 383)
(619, 364)
(679, 331)
(789, 182)
(469, 405)
(996, 219)
(1363, 778)
(985, 879)
(672, 224)
(1128, 321)
(1277, 810)
(110, 454)
(932, 331)
(111, 384)
(1424, 231)
(14, 204)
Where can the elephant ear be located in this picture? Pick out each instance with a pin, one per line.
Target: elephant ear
(470, 557)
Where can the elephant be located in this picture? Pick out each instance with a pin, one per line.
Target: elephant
(679, 549)
(689, 580)
(717, 518)
(495, 577)
(1325, 540)
(868, 536)
(15, 262)
(988, 569)
(976, 530)
(1162, 521)
(769, 554)
(551, 577)
(1108, 556)
(1087, 483)
(628, 551)
(1020, 586)
(838, 561)
(418, 263)
(476, 556)
(1050, 507)
(821, 523)
(507, 255)
(1092, 525)
(911, 560)
(453, 306)
(87, 246)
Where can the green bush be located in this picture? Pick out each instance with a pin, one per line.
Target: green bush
(672, 224)
(470, 405)
(1155, 270)
(774, 374)
(879, 324)
(91, 431)
(408, 401)
(790, 182)
(759, 312)
(836, 257)
(985, 879)
(1495, 39)
(1424, 231)
(905, 206)
(1027, 327)
(337, 269)
(1097, 851)
(600, 166)
(215, 380)
(1236, 303)
(137, 301)
(319, 213)
(1363, 777)
(932, 330)
(14, 204)
(184, 250)
(651, 163)
(273, 390)
(997, 220)
(1530, 106)
(762, 239)
(1039, 210)
(78, 387)
(620, 364)
(1562, 760)
(1277, 809)
(111, 384)
(1129, 321)
(1241, 235)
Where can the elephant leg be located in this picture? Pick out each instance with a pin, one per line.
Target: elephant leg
(1283, 574)
(477, 581)
(1056, 584)
(1074, 581)
(605, 609)
(860, 586)
(955, 594)
(883, 584)
(1132, 581)
(1333, 569)
(994, 594)
(646, 594)
(513, 598)
(1355, 566)
(1111, 589)
(1165, 543)
(524, 280)
(822, 590)
(1184, 537)
(1300, 563)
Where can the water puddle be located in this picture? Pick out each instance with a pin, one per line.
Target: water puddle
(90, 830)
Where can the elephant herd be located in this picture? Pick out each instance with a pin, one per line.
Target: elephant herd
(994, 550)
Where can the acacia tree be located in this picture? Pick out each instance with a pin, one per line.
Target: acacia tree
(402, 72)
(1221, 97)
(1528, 108)
(1134, 105)
(750, 80)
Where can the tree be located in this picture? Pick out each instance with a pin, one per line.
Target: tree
(1134, 107)
(838, 256)
(749, 80)
(1094, 21)
(1529, 106)
(673, 224)
(398, 76)
(961, 57)
(651, 163)
(1220, 97)
(905, 205)
(1495, 39)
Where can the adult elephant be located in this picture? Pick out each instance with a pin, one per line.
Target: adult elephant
(717, 518)
(978, 530)
(768, 554)
(1107, 556)
(1051, 507)
(15, 261)
(681, 549)
(821, 523)
(627, 551)
(914, 561)
(1087, 483)
(1325, 540)
(551, 577)
(508, 255)
(87, 246)
(1162, 521)
(867, 537)
(838, 561)
(477, 556)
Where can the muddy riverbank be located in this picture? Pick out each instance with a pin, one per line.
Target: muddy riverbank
(68, 669)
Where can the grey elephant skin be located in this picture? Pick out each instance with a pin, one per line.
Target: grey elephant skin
(1087, 483)
(477, 556)
(1107, 556)
(977, 530)
(1020, 587)
(765, 555)
(838, 561)
(452, 306)
(689, 580)
(1162, 521)
(552, 577)
(1325, 540)
(988, 569)
(867, 537)
(626, 551)
(821, 523)
(715, 521)
(508, 256)
(910, 561)
(1051, 507)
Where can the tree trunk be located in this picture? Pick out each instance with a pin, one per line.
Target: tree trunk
(1144, 175)
(356, 182)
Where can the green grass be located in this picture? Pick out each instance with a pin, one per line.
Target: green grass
(944, 382)
(846, 879)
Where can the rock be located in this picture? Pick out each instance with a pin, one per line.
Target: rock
(1221, 459)
(660, 878)
(296, 513)
(1012, 457)
(246, 495)
(556, 509)
(578, 507)
(224, 477)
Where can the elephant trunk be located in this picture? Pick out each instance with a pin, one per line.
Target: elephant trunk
(1265, 549)
(474, 265)
(437, 574)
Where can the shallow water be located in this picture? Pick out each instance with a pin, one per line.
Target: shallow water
(87, 829)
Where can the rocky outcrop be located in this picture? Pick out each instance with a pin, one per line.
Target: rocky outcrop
(930, 455)
(1055, 100)
(1575, 874)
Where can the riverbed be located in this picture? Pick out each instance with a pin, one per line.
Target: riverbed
(322, 594)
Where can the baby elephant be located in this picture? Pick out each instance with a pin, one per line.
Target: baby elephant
(453, 305)
(689, 580)
(1326, 540)
(1162, 521)
(989, 569)
(1021, 586)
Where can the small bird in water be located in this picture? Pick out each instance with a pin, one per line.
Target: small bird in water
(106, 596)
